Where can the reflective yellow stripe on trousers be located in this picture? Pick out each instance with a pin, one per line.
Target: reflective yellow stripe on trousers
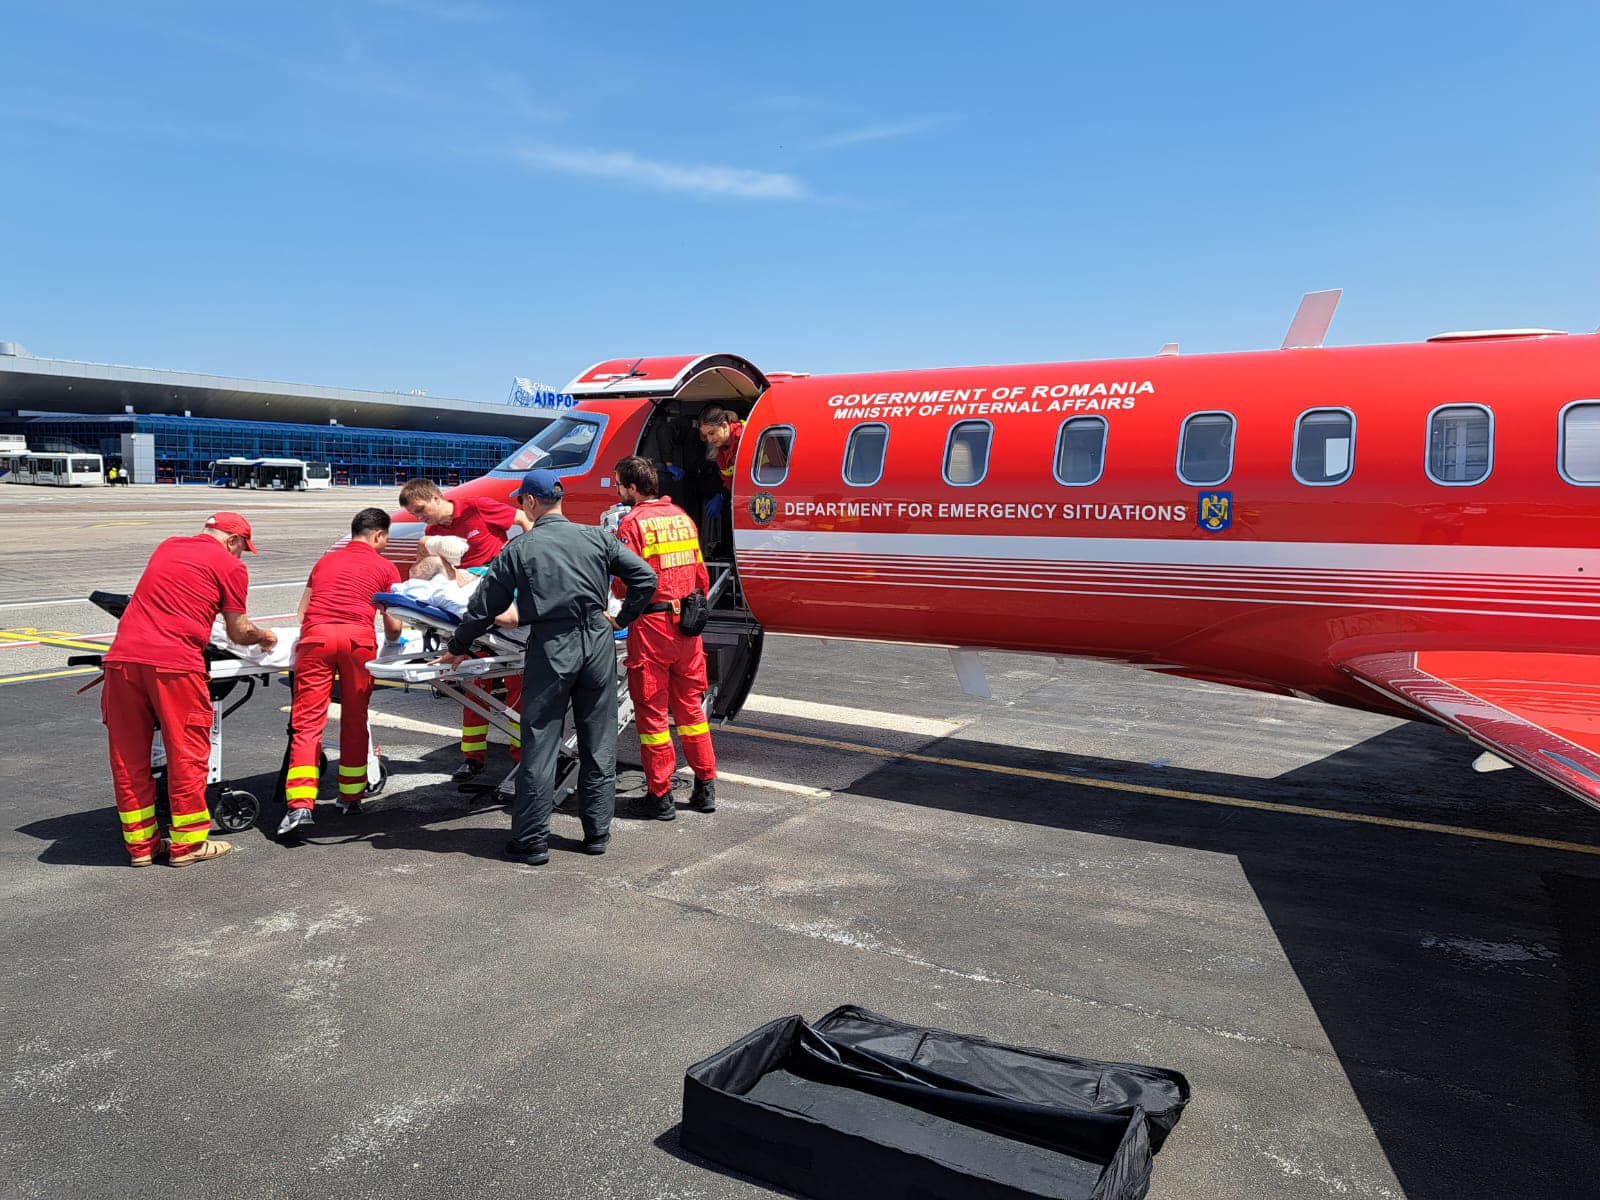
(301, 784)
(352, 780)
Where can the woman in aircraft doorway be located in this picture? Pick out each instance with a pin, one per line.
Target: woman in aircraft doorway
(721, 431)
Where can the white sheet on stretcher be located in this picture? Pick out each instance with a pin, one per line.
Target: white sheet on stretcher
(440, 593)
(281, 656)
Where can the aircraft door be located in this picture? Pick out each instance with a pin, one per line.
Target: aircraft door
(681, 389)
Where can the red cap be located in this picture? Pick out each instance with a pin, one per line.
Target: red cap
(231, 522)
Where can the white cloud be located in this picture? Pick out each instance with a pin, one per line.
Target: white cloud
(626, 167)
(884, 131)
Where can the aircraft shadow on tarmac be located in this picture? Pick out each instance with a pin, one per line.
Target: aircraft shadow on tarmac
(1457, 979)
(1476, 1081)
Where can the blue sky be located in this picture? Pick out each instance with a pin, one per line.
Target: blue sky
(441, 194)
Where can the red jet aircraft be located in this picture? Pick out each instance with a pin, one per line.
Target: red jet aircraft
(1404, 529)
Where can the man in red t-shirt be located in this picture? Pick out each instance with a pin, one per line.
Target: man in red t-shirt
(482, 521)
(156, 674)
(337, 639)
(485, 524)
(666, 667)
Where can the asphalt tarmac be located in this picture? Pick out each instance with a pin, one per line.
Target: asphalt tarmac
(1379, 970)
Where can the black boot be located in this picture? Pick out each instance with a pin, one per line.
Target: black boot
(535, 852)
(704, 796)
(660, 808)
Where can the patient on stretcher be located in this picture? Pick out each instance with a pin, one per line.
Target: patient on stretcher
(437, 578)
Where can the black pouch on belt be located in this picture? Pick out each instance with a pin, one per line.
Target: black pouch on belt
(692, 613)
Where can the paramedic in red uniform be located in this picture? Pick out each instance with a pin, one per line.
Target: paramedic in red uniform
(666, 669)
(721, 431)
(156, 675)
(337, 638)
(485, 524)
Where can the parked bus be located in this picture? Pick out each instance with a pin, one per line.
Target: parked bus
(234, 472)
(292, 474)
(60, 470)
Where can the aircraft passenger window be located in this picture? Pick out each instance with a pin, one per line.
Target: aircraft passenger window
(1460, 444)
(771, 466)
(1324, 446)
(1205, 449)
(1580, 442)
(1081, 450)
(966, 454)
(863, 455)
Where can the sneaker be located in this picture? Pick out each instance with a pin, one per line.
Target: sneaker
(208, 849)
(296, 822)
(145, 860)
(596, 845)
(660, 808)
(704, 797)
(349, 808)
(535, 852)
(468, 771)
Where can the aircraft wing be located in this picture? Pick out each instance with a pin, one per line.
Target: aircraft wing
(1540, 711)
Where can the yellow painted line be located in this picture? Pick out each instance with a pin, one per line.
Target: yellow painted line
(111, 524)
(1113, 785)
(4, 679)
(70, 644)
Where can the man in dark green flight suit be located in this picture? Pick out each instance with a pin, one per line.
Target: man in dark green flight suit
(560, 575)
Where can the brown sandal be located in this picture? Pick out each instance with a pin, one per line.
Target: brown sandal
(211, 848)
(145, 860)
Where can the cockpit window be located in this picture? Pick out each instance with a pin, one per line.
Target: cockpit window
(564, 444)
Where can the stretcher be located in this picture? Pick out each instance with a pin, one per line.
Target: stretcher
(233, 809)
(498, 653)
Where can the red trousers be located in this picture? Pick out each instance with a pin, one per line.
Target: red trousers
(475, 726)
(323, 652)
(668, 671)
(136, 699)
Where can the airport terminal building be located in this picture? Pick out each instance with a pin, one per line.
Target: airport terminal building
(192, 420)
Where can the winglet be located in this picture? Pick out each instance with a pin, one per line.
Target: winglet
(1169, 348)
(1311, 319)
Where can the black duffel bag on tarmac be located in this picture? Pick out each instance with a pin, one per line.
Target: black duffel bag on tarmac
(860, 1105)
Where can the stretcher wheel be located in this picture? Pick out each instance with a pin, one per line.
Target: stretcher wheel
(235, 811)
(383, 778)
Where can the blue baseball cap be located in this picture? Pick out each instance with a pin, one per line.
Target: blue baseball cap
(540, 484)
